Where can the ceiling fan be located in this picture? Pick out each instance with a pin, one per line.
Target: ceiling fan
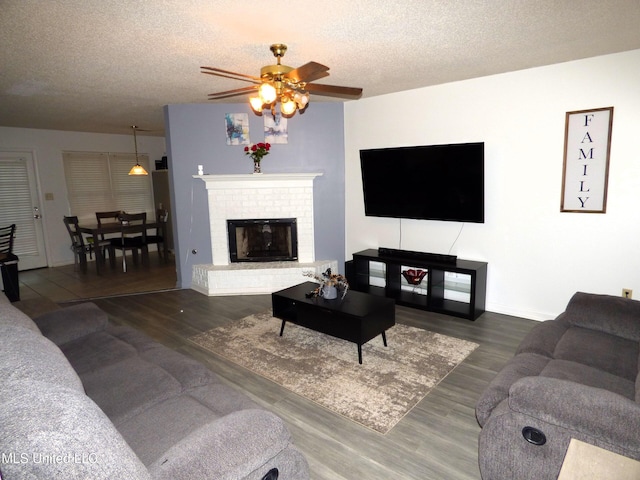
(282, 84)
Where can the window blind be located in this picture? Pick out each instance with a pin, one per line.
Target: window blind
(99, 182)
(15, 197)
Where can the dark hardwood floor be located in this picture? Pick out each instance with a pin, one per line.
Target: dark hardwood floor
(436, 440)
(69, 283)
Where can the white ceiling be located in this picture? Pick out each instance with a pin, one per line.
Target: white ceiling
(103, 65)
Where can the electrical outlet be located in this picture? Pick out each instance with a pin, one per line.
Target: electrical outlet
(627, 293)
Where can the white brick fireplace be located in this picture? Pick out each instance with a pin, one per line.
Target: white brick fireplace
(253, 196)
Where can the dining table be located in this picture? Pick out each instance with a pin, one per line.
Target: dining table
(105, 228)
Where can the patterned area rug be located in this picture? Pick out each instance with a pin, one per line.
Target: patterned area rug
(324, 369)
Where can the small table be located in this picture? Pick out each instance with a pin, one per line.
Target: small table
(585, 461)
(357, 318)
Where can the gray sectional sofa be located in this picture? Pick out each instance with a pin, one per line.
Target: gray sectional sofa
(573, 377)
(83, 399)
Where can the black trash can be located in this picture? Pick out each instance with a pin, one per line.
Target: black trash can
(9, 268)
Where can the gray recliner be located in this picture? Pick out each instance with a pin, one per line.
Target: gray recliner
(572, 377)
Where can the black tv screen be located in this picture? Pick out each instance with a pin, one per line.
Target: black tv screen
(431, 182)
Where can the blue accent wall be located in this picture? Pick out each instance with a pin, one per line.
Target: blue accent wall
(195, 135)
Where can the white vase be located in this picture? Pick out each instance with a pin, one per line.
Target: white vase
(329, 292)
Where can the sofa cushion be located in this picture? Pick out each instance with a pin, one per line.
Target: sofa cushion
(27, 355)
(70, 323)
(244, 441)
(543, 338)
(592, 377)
(221, 398)
(60, 433)
(610, 353)
(154, 430)
(614, 315)
(95, 351)
(126, 388)
(638, 382)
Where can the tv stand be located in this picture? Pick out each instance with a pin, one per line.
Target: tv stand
(440, 294)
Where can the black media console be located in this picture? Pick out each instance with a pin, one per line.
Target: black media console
(442, 292)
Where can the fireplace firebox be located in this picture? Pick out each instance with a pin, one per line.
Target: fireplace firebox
(263, 240)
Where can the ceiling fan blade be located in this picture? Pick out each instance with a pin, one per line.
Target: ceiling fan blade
(227, 74)
(308, 72)
(232, 93)
(333, 90)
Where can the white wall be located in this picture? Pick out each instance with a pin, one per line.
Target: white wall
(47, 147)
(538, 257)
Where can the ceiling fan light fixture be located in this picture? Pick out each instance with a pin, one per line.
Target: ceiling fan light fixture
(282, 84)
(288, 106)
(267, 93)
(256, 104)
(301, 99)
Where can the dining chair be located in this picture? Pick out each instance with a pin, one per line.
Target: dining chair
(161, 224)
(78, 245)
(9, 263)
(110, 217)
(133, 237)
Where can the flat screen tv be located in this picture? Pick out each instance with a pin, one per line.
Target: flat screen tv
(431, 182)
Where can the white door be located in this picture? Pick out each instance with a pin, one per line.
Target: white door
(20, 204)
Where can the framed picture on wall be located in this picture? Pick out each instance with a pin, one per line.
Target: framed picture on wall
(237, 128)
(275, 129)
(585, 173)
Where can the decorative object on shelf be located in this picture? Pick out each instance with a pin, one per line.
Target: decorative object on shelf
(137, 169)
(414, 277)
(585, 173)
(257, 151)
(237, 128)
(330, 283)
(281, 84)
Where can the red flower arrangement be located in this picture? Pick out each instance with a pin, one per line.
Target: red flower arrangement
(257, 150)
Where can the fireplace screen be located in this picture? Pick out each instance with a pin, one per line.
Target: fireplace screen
(263, 240)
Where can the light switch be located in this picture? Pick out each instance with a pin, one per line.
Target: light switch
(48, 196)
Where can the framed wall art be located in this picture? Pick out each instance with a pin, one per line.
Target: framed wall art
(275, 129)
(585, 174)
(237, 128)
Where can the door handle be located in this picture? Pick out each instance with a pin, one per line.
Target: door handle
(36, 213)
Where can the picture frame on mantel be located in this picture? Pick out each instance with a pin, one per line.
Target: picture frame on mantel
(585, 173)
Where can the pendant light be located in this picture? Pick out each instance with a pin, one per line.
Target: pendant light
(137, 168)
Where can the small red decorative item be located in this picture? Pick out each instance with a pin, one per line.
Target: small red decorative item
(414, 277)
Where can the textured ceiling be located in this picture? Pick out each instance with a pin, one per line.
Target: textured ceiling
(103, 65)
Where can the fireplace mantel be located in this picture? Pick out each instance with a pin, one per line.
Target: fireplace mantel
(261, 180)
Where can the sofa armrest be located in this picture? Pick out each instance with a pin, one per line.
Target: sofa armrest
(520, 366)
(589, 412)
(70, 323)
(232, 447)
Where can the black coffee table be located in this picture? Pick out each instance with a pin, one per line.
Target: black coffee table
(357, 318)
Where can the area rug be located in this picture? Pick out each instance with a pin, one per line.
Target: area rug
(324, 369)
